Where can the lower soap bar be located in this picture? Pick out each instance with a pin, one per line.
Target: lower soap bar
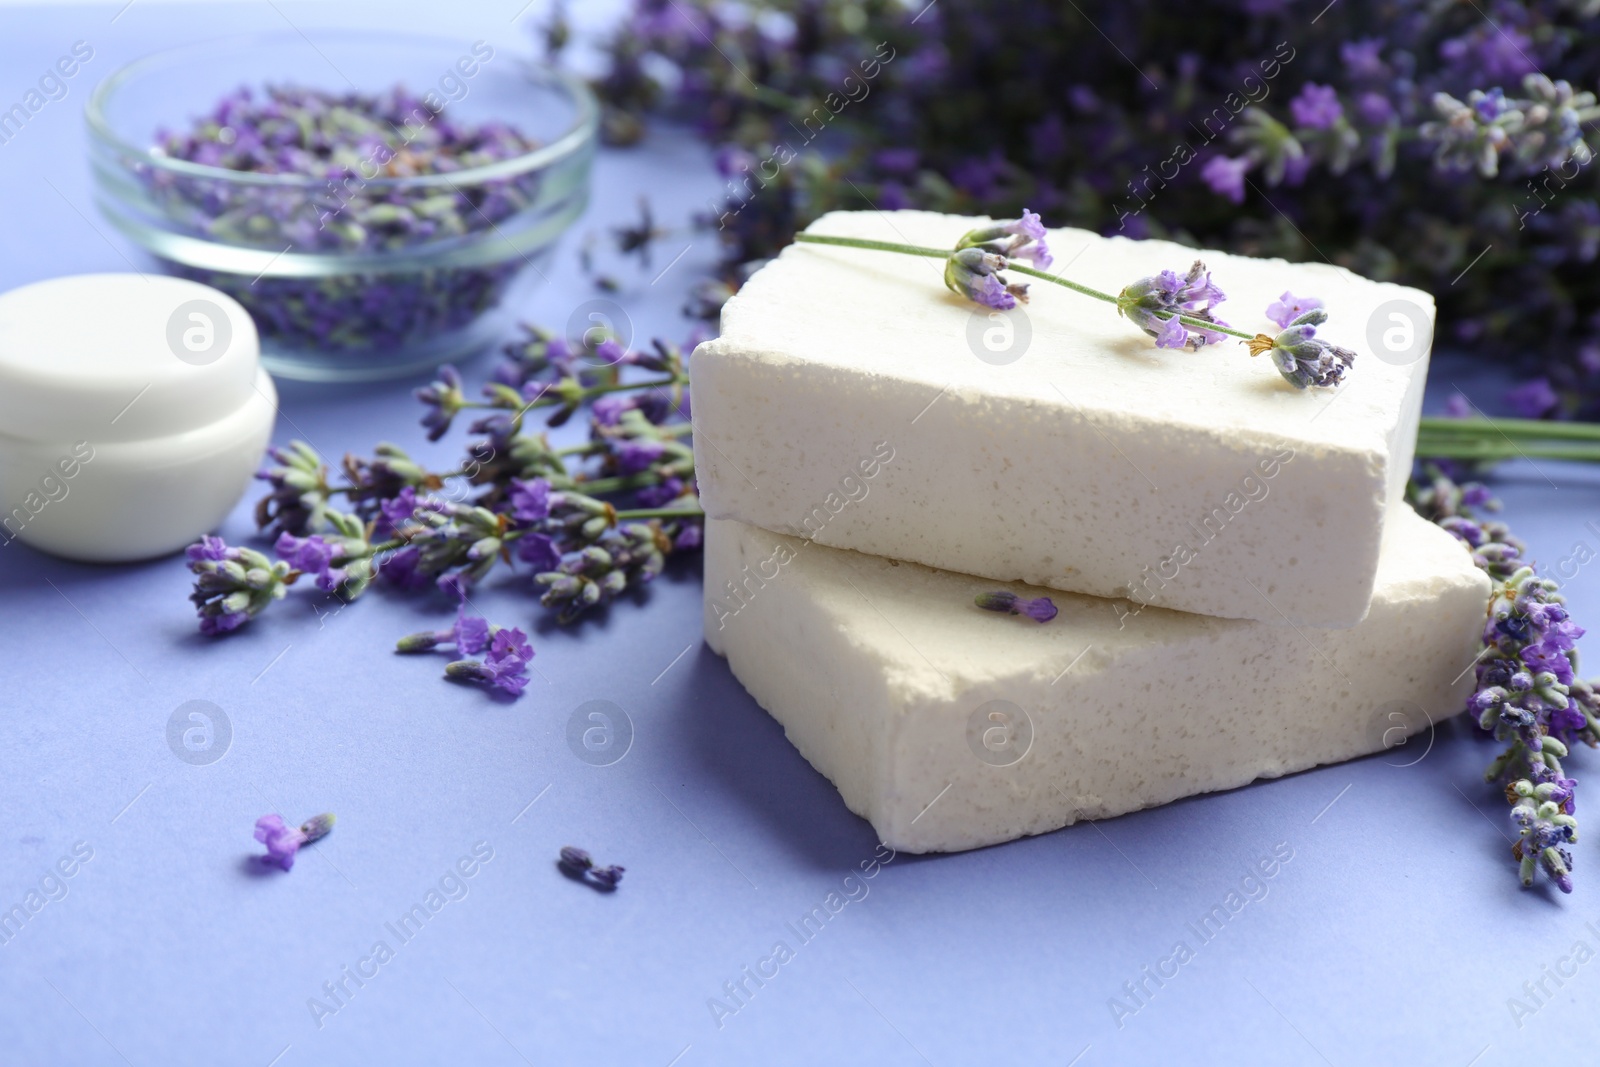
(949, 727)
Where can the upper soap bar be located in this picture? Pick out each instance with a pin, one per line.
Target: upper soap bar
(1057, 445)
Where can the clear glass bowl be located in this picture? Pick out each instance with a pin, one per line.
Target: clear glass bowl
(338, 293)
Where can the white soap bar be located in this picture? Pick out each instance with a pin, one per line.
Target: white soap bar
(949, 727)
(1094, 462)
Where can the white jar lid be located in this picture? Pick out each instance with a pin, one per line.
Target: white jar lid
(121, 357)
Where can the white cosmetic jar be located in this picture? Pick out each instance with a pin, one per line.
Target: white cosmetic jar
(133, 414)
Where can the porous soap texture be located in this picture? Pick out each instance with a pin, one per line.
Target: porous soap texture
(1092, 461)
(949, 727)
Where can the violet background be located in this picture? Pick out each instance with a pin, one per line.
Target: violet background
(1396, 933)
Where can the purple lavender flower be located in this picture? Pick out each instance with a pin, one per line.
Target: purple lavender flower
(1022, 237)
(311, 555)
(233, 585)
(530, 499)
(659, 496)
(1289, 307)
(207, 548)
(578, 864)
(1040, 609)
(539, 551)
(283, 841)
(1154, 304)
(396, 511)
(975, 274)
(636, 455)
(298, 502)
(505, 668)
(1534, 399)
(402, 569)
(1301, 357)
(444, 399)
(1317, 107)
(609, 408)
(606, 877)
(1363, 58)
(973, 269)
(469, 635)
(1374, 109)
(1225, 176)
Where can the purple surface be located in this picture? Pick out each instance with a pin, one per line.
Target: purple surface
(1396, 933)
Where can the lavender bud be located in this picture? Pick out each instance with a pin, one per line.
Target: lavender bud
(606, 877)
(317, 827)
(575, 858)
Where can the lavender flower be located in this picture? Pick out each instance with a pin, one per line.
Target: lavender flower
(1534, 399)
(580, 865)
(283, 841)
(469, 636)
(530, 499)
(1154, 304)
(973, 269)
(1024, 237)
(975, 274)
(1300, 357)
(396, 511)
(539, 551)
(1040, 609)
(1225, 176)
(1317, 107)
(505, 667)
(626, 557)
(341, 561)
(444, 399)
(606, 877)
(233, 585)
(298, 502)
(1289, 307)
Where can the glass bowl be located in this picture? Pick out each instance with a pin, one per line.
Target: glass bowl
(354, 275)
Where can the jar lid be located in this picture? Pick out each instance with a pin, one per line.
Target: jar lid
(121, 357)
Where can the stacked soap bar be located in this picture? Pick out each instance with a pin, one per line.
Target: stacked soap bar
(950, 728)
(1247, 594)
(1092, 462)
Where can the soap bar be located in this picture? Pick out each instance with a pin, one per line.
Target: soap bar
(949, 727)
(1056, 445)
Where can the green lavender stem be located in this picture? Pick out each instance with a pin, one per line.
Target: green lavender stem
(944, 253)
(1487, 440)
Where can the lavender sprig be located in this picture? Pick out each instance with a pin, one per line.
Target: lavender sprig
(588, 523)
(1526, 694)
(1176, 310)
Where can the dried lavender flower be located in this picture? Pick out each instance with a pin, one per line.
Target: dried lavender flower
(283, 841)
(1039, 609)
(233, 585)
(1154, 305)
(580, 865)
(1301, 357)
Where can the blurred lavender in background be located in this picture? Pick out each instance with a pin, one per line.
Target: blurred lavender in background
(1439, 145)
